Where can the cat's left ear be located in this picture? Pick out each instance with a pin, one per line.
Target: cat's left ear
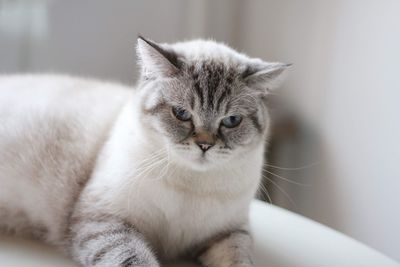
(156, 60)
(265, 77)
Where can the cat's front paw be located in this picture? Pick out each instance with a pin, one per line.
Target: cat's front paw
(242, 265)
(247, 263)
(134, 261)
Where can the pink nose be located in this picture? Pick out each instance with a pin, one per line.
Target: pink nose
(204, 146)
(204, 140)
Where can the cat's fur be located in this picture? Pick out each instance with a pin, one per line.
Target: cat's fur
(109, 174)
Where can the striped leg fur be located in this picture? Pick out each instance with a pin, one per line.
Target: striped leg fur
(109, 242)
(230, 250)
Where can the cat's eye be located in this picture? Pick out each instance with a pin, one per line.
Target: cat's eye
(181, 114)
(231, 121)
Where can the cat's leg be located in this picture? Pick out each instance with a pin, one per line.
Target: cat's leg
(229, 250)
(109, 242)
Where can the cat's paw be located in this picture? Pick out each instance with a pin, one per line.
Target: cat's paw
(135, 261)
(242, 263)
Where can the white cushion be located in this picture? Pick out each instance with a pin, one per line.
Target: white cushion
(282, 238)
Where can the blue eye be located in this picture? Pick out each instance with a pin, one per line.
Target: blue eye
(231, 121)
(181, 114)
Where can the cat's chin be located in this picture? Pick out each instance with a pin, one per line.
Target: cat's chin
(202, 164)
(198, 162)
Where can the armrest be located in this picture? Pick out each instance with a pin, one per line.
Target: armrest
(282, 239)
(285, 239)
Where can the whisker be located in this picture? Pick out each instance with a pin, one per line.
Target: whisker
(285, 179)
(265, 191)
(144, 166)
(280, 189)
(141, 175)
(294, 168)
(164, 169)
(149, 160)
(152, 156)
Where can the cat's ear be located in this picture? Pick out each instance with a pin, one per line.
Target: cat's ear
(265, 77)
(156, 60)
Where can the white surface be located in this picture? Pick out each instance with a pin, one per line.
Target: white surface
(283, 239)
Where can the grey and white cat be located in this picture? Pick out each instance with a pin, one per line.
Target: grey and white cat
(117, 176)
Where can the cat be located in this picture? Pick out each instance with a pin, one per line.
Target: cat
(120, 176)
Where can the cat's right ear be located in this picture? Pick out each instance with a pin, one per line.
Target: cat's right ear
(265, 77)
(155, 60)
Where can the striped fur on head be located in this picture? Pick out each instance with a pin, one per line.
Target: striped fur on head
(210, 81)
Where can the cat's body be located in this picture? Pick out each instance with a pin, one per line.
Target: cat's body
(84, 165)
(52, 129)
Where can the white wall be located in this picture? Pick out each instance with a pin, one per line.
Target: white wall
(344, 88)
(361, 121)
(98, 37)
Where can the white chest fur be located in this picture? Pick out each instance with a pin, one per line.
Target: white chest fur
(173, 210)
(174, 217)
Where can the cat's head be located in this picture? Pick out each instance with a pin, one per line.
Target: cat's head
(204, 100)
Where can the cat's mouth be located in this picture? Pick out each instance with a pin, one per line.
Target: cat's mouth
(202, 163)
(200, 158)
(194, 158)
(203, 158)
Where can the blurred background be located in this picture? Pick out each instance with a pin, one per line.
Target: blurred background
(334, 154)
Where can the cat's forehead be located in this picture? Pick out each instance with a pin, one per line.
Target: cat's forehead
(214, 87)
(213, 73)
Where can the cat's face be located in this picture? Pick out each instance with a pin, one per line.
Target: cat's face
(207, 110)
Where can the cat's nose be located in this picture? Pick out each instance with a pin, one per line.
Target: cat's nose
(204, 140)
(204, 146)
